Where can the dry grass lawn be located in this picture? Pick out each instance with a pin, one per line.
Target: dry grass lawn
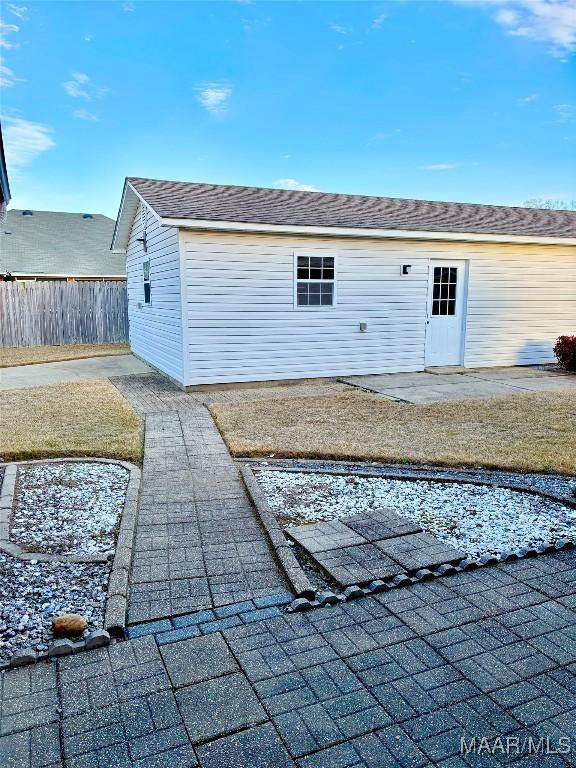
(10, 356)
(522, 432)
(88, 418)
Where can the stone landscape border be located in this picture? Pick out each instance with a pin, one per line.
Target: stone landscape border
(294, 571)
(118, 582)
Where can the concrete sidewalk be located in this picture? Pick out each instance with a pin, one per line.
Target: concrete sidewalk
(22, 376)
(428, 386)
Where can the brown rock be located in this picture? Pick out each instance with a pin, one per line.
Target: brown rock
(69, 625)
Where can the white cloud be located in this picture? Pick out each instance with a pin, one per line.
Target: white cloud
(255, 24)
(82, 87)
(84, 114)
(21, 11)
(128, 7)
(214, 97)
(5, 31)
(341, 30)
(7, 77)
(566, 113)
(383, 135)
(24, 141)
(294, 184)
(379, 20)
(528, 99)
(449, 166)
(438, 167)
(546, 21)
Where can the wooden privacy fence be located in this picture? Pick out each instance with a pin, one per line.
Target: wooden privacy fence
(58, 312)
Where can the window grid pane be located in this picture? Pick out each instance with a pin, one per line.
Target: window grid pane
(311, 271)
(444, 291)
(311, 294)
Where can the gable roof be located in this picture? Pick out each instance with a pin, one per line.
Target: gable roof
(54, 243)
(187, 201)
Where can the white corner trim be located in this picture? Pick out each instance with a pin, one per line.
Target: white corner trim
(184, 310)
(389, 234)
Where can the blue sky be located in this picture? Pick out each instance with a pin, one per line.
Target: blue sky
(457, 100)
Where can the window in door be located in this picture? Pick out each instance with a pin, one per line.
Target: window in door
(444, 291)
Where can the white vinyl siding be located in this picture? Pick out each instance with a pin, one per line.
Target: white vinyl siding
(156, 328)
(241, 320)
(520, 299)
(241, 323)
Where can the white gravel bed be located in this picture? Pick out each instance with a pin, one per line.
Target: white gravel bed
(32, 593)
(477, 519)
(70, 508)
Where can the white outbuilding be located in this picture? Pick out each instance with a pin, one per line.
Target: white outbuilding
(246, 284)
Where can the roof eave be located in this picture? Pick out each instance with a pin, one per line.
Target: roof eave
(385, 234)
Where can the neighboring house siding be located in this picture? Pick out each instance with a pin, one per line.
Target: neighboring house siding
(520, 299)
(156, 329)
(242, 324)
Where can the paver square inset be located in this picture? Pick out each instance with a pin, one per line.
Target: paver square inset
(419, 550)
(321, 537)
(198, 659)
(356, 565)
(381, 524)
(28, 698)
(36, 748)
(219, 707)
(256, 748)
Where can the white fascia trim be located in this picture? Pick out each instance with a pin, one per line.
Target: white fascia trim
(128, 188)
(388, 234)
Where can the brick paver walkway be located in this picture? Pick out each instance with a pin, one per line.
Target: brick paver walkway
(198, 544)
(392, 680)
(396, 679)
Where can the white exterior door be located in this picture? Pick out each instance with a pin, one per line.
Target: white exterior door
(446, 313)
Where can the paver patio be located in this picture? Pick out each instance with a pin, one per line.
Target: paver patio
(395, 679)
(392, 680)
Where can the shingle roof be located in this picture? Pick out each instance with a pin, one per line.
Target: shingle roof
(55, 243)
(215, 202)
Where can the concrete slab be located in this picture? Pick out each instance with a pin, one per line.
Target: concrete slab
(384, 381)
(550, 383)
(24, 376)
(515, 372)
(428, 387)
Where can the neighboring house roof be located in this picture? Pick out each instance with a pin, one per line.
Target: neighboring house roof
(53, 243)
(254, 205)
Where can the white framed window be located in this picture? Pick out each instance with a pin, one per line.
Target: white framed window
(314, 279)
(146, 281)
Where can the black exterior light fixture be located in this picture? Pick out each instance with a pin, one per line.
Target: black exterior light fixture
(406, 269)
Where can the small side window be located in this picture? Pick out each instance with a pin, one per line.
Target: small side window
(146, 281)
